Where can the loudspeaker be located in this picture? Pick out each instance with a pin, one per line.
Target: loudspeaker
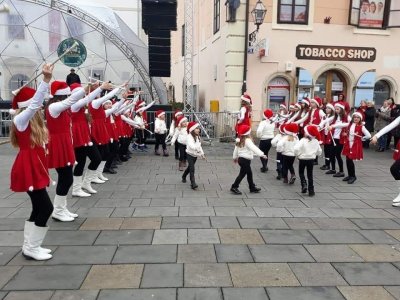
(159, 14)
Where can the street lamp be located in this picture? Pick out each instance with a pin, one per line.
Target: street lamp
(258, 14)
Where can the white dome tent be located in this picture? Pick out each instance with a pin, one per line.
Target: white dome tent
(31, 31)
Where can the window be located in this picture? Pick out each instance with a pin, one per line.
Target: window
(16, 28)
(293, 11)
(381, 92)
(217, 13)
(375, 14)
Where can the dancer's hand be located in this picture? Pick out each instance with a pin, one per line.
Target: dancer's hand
(47, 72)
(374, 140)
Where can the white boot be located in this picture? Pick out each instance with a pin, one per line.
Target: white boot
(397, 199)
(97, 179)
(77, 188)
(27, 232)
(100, 169)
(60, 207)
(35, 239)
(86, 184)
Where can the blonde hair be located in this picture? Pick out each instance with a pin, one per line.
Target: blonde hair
(39, 133)
(242, 140)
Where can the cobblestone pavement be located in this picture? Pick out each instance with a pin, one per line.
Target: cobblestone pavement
(146, 235)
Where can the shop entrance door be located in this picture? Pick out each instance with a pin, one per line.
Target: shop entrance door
(329, 85)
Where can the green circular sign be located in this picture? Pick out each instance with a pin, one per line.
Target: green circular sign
(75, 57)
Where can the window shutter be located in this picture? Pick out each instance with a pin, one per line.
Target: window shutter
(394, 14)
(354, 13)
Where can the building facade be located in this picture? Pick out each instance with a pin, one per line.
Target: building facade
(303, 48)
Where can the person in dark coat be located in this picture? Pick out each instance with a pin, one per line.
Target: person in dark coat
(370, 112)
(73, 78)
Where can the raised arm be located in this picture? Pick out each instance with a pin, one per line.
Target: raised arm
(129, 121)
(21, 120)
(56, 108)
(85, 101)
(98, 102)
(388, 128)
(114, 108)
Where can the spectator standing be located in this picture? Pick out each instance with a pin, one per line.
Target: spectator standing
(382, 119)
(370, 112)
(73, 77)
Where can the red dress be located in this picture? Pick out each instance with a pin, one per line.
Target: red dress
(355, 152)
(29, 171)
(118, 125)
(60, 149)
(80, 129)
(99, 131)
(112, 129)
(396, 153)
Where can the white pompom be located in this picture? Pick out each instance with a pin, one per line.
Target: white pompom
(237, 140)
(85, 145)
(68, 164)
(30, 188)
(53, 182)
(112, 140)
(90, 144)
(12, 111)
(75, 163)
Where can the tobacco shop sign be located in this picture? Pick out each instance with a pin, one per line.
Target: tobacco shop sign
(317, 52)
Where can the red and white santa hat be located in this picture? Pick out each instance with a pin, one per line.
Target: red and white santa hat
(297, 105)
(22, 99)
(282, 128)
(291, 106)
(291, 129)
(178, 113)
(283, 106)
(192, 126)
(246, 98)
(59, 88)
(329, 105)
(305, 101)
(160, 113)
(312, 131)
(358, 114)
(268, 114)
(181, 119)
(317, 101)
(340, 105)
(242, 130)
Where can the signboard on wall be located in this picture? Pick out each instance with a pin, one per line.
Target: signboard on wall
(337, 86)
(339, 53)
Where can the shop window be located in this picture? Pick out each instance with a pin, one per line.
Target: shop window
(16, 28)
(381, 92)
(293, 11)
(329, 85)
(278, 93)
(217, 14)
(375, 14)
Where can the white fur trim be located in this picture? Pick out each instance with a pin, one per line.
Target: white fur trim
(53, 182)
(142, 109)
(162, 114)
(314, 101)
(237, 140)
(12, 111)
(358, 114)
(194, 127)
(329, 105)
(107, 102)
(63, 92)
(340, 105)
(23, 104)
(111, 140)
(68, 164)
(30, 188)
(75, 163)
(178, 114)
(245, 99)
(90, 144)
(184, 119)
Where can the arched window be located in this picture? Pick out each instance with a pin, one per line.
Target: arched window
(278, 93)
(381, 92)
(330, 84)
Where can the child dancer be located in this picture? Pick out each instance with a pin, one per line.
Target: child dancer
(193, 150)
(29, 172)
(173, 129)
(140, 135)
(326, 137)
(274, 143)
(353, 148)
(243, 154)
(395, 167)
(265, 132)
(180, 136)
(286, 146)
(306, 150)
(160, 130)
(61, 151)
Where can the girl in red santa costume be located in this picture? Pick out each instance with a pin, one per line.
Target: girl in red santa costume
(245, 111)
(172, 130)
(83, 145)
(29, 172)
(61, 150)
(326, 136)
(353, 148)
(315, 116)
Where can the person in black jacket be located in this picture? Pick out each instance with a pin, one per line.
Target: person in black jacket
(73, 78)
(370, 112)
(394, 113)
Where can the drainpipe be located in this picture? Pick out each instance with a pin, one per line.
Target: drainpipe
(246, 45)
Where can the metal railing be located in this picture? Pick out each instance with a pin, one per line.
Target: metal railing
(220, 125)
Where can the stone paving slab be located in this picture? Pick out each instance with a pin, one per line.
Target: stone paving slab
(146, 254)
(245, 293)
(369, 273)
(280, 253)
(31, 295)
(80, 255)
(304, 293)
(365, 293)
(138, 294)
(316, 274)
(162, 275)
(75, 295)
(196, 254)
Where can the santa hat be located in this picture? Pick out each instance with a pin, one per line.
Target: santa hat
(178, 113)
(246, 98)
(107, 102)
(312, 131)
(297, 105)
(22, 99)
(340, 105)
(306, 101)
(59, 88)
(242, 130)
(74, 86)
(283, 106)
(192, 126)
(358, 114)
(160, 113)
(268, 114)
(181, 119)
(329, 105)
(291, 129)
(291, 106)
(317, 101)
